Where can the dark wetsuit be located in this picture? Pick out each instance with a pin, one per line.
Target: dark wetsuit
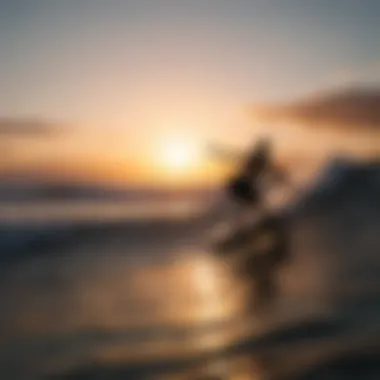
(242, 190)
(243, 187)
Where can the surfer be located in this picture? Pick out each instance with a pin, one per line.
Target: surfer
(243, 188)
(247, 187)
(247, 190)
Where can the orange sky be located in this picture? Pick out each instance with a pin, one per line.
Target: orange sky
(118, 79)
(91, 158)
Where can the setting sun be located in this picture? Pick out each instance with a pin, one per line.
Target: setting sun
(179, 153)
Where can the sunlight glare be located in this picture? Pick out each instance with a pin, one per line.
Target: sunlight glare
(179, 153)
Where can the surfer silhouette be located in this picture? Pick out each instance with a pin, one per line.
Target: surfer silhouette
(243, 188)
(256, 173)
(247, 189)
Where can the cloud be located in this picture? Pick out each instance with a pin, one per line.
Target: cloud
(25, 127)
(355, 108)
(349, 77)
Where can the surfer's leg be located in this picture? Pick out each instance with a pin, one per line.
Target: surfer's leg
(266, 292)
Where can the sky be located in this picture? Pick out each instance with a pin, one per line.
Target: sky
(121, 80)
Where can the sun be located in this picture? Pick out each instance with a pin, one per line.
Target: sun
(178, 153)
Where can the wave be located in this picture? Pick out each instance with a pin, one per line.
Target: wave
(27, 238)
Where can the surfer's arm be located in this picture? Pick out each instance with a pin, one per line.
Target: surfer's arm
(224, 154)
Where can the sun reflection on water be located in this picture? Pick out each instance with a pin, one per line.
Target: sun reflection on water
(175, 307)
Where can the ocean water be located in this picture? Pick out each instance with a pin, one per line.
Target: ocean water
(119, 289)
(108, 283)
(115, 290)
